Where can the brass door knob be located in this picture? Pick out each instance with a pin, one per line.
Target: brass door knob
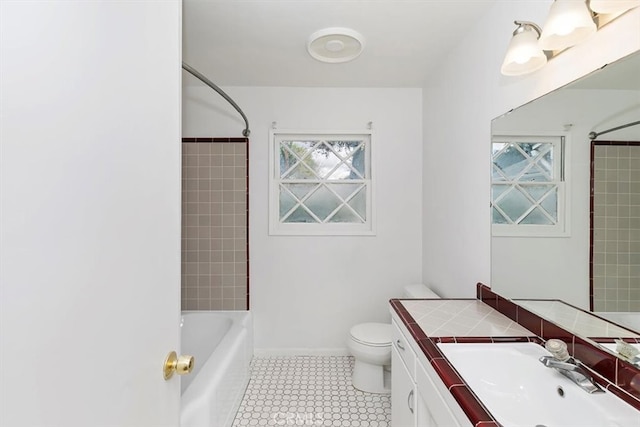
(180, 365)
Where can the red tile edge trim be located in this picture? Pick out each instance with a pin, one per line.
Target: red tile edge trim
(214, 139)
(623, 395)
(471, 406)
(484, 340)
(529, 320)
(552, 331)
(628, 380)
(532, 339)
(448, 373)
(430, 350)
(598, 360)
(487, 296)
(402, 312)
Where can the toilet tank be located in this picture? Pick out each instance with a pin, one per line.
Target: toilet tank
(419, 291)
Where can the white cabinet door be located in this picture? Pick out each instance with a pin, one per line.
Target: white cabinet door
(403, 393)
(90, 212)
(423, 416)
(441, 406)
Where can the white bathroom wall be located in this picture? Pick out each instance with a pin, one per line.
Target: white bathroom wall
(460, 99)
(307, 291)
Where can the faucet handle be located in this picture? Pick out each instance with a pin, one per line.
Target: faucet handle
(558, 349)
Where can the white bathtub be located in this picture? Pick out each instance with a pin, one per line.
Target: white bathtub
(222, 344)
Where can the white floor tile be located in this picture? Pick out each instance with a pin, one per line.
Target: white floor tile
(309, 391)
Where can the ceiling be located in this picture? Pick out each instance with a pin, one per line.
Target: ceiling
(263, 42)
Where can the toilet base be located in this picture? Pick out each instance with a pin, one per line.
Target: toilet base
(371, 378)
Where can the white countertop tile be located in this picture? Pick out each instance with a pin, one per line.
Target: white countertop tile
(461, 318)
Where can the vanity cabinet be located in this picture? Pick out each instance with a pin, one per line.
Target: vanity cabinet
(418, 396)
(406, 408)
(403, 392)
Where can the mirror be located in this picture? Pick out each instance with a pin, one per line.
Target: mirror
(578, 321)
(558, 265)
(619, 340)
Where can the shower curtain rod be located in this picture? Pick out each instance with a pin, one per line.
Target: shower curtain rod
(246, 132)
(594, 135)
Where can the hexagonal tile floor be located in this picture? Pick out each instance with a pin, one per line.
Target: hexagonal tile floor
(309, 391)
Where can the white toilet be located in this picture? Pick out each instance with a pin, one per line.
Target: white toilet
(370, 345)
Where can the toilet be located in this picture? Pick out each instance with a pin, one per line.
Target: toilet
(370, 345)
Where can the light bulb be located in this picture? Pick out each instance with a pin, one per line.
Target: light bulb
(569, 22)
(523, 54)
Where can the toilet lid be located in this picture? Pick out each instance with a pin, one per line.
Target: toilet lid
(378, 334)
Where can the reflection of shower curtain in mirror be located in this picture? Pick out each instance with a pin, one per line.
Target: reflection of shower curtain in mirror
(615, 226)
(214, 224)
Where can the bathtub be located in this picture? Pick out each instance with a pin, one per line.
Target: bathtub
(222, 344)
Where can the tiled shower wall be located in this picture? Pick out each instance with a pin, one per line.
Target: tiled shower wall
(616, 226)
(214, 224)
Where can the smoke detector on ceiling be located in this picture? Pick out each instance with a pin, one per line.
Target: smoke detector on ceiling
(335, 45)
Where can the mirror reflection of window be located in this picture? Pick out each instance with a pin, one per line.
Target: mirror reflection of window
(527, 187)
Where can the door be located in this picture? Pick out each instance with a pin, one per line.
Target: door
(90, 212)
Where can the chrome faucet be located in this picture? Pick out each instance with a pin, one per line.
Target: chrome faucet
(571, 369)
(568, 366)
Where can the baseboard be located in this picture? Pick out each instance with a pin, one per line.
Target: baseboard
(266, 352)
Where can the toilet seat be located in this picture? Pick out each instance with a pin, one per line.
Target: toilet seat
(372, 334)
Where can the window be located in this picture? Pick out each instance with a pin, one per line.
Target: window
(320, 183)
(527, 186)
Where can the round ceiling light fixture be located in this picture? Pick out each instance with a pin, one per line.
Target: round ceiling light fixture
(335, 45)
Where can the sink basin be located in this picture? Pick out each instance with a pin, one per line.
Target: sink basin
(518, 390)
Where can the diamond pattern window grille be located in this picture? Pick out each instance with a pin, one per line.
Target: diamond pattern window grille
(527, 181)
(322, 179)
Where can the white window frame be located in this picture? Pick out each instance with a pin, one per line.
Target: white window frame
(276, 227)
(561, 170)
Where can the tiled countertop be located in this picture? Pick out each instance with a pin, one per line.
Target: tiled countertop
(430, 321)
(461, 318)
(492, 318)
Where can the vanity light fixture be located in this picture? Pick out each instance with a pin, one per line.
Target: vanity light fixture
(569, 22)
(524, 54)
(613, 6)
